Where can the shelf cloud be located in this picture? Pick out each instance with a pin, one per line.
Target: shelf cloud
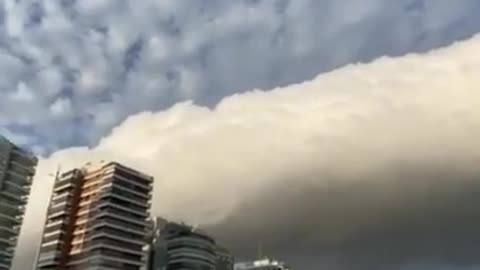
(88, 65)
(372, 166)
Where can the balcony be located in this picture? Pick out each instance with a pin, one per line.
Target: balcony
(126, 198)
(145, 186)
(61, 196)
(131, 220)
(115, 235)
(62, 205)
(4, 231)
(48, 258)
(58, 213)
(6, 241)
(140, 213)
(9, 221)
(121, 226)
(116, 246)
(56, 243)
(129, 189)
(20, 166)
(5, 254)
(4, 266)
(98, 257)
(7, 208)
(63, 185)
(17, 198)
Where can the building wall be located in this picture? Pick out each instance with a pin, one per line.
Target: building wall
(17, 167)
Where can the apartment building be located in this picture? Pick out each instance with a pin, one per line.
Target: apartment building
(97, 219)
(176, 246)
(17, 168)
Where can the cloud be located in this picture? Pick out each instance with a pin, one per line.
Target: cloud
(148, 55)
(367, 167)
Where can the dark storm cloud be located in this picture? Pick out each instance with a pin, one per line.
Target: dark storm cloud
(385, 221)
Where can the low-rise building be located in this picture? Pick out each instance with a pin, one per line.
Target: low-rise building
(176, 246)
(263, 264)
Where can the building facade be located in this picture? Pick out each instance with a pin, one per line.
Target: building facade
(97, 220)
(178, 246)
(264, 264)
(17, 168)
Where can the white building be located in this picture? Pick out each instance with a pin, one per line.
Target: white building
(264, 264)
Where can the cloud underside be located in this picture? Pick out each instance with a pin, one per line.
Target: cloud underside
(118, 58)
(369, 167)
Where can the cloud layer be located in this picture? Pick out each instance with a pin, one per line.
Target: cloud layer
(368, 167)
(85, 66)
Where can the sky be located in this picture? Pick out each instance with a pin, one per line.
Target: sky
(340, 134)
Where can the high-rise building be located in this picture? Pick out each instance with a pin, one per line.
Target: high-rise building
(263, 264)
(178, 246)
(224, 259)
(17, 167)
(97, 220)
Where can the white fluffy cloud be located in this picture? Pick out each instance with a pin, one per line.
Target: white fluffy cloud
(130, 56)
(347, 125)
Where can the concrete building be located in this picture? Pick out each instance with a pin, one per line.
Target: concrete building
(97, 220)
(177, 246)
(263, 264)
(17, 167)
